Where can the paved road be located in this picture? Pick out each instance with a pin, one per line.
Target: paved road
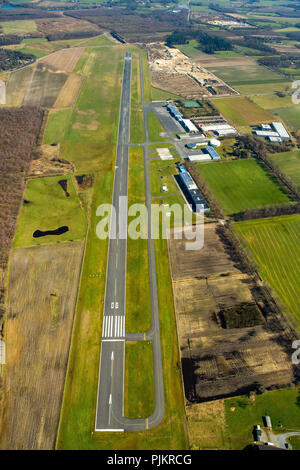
(110, 400)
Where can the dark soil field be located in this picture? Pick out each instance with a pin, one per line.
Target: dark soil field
(216, 361)
(43, 286)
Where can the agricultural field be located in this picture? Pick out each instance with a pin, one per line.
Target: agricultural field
(289, 163)
(240, 111)
(18, 27)
(43, 284)
(263, 89)
(162, 95)
(64, 60)
(290, 115)
(242, 184)
(218, 362)
(46, 207)
(249, 74)
(69, 92)
(275, 246)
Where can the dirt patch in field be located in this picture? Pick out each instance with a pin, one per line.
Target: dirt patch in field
(64, 60)
(49, 162)
(64, 25)
(218, 362)
(42, 296)
(86, 121)
(69, 92)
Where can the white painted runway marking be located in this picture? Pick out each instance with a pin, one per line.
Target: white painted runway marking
(113, 326)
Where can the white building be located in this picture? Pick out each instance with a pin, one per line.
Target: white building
(216, 127)
(266, 134)
(202, 157)
(188, 125)
(281, 130)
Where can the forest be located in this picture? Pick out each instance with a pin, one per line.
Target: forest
(20, 129)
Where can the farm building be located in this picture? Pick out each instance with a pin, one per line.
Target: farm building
(257, 433)
(265, 127)
(212, 153)
(281, 130)
(267, 421)
(192, 191)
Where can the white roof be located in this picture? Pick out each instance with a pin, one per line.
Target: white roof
(226, 131)
(190, 125)
(215, 142)
(281, 130)
(203, 157)
(267, 133)
(215, 127)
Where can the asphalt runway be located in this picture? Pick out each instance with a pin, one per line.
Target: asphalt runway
(110, 398)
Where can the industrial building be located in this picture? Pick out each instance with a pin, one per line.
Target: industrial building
(224, 132)
(215, 127)
(212, 153)
(202, 157)
(275, 132)
(266, 134)
(195, 145)
(187, 124)
(191, 191)
(281, 130)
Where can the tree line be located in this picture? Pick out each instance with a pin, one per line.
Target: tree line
(208, 43)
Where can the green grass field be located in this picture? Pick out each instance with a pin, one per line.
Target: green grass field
(246, 75)
(290, 115)
(242, 184)
(162, 95)
(261, 88)
(137, 131)
(18, 27)
(241, 111)
(162, 173)
(138, 308)
(139, 380)
(48, 209)
(275, 245)
(283, 406)
(56, 126)
(155, 129)
(289, 163)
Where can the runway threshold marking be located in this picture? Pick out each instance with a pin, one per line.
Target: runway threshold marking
(113, 326)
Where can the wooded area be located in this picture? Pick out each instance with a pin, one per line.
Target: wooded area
(20, 129)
